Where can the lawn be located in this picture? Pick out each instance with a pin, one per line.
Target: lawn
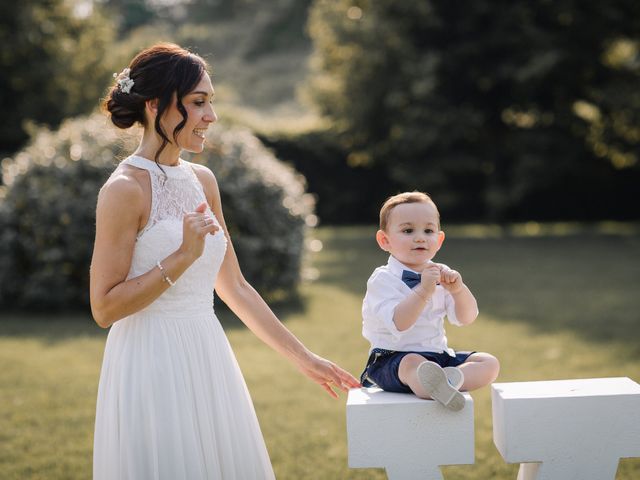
(554, 304)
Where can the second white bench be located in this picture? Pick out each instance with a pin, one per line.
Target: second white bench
(567, 429)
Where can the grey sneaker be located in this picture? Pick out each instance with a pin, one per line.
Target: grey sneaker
(455, 376)
(435, 382)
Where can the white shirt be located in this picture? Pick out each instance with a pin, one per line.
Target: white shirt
(385, 290)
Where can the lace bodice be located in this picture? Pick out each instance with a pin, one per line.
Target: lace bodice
(175, 192)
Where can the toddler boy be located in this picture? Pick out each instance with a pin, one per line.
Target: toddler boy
(404, 308)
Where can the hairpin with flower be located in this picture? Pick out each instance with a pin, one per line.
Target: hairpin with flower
(124, 81)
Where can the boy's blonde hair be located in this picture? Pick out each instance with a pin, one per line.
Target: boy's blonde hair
(399, 199)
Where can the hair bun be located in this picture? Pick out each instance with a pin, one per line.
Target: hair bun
(124, 109)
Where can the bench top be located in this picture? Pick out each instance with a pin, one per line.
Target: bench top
(586, 387)
(377, 396)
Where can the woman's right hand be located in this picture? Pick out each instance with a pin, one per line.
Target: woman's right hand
(327, 374)
(195, 226)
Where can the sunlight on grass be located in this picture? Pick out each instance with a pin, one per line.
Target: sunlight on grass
(552, 307)
(537, 229)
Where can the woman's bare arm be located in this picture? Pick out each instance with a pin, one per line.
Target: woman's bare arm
(248, 305)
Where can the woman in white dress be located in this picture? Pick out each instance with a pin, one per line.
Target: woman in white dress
(172, 403)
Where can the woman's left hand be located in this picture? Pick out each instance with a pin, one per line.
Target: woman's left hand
(327, 374)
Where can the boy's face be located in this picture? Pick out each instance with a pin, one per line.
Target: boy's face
(412, 235)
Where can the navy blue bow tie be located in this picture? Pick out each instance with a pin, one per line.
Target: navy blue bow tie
(411, 278)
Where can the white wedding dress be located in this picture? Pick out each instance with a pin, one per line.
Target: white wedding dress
(172, 403)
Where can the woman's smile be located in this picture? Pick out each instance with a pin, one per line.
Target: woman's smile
(199, 132)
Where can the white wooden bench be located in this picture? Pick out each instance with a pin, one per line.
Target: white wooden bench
(407, 436)
(567, 429)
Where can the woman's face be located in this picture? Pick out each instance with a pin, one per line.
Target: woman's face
(200, 114)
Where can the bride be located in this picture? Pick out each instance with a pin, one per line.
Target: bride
(172, 403)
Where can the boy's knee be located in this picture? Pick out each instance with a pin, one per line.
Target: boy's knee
(494, 366)
(412, 359)
(490, 364)
(409, 364)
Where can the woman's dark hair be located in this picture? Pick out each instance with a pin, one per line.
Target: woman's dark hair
(157, 72)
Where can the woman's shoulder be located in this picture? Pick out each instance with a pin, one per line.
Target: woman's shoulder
(124, 186)
(206, 177)
(202, 171)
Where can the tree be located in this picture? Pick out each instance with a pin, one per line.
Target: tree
(52, 64)
(130, 14)
(507, 109)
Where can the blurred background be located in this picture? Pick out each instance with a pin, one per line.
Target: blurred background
(520, 118)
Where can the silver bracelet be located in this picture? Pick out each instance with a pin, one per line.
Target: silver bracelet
(165, 277)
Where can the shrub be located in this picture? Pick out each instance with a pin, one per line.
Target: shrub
(47, 235)
(47, 211)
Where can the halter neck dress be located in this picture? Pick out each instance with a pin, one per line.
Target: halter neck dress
(172, 403)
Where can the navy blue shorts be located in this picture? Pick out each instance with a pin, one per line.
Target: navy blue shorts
(382, 367)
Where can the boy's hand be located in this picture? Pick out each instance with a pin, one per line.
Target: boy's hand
(451, 280)
(430, 277)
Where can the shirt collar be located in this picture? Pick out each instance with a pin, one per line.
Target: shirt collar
(396, 266)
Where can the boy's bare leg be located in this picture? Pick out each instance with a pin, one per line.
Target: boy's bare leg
(479, 370)
(408, 374)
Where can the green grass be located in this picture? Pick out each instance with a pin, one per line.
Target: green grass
(552, 306)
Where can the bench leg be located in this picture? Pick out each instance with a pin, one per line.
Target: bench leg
(528, 471)
(587, 469)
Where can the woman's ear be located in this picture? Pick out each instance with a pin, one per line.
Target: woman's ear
(151, 108)
(383, 240)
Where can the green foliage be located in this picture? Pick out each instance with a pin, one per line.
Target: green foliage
(492, 109)
(47, 236)
(258, 50)
(52, 62)
(345, 194)
(47, 211)
(130, 14)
